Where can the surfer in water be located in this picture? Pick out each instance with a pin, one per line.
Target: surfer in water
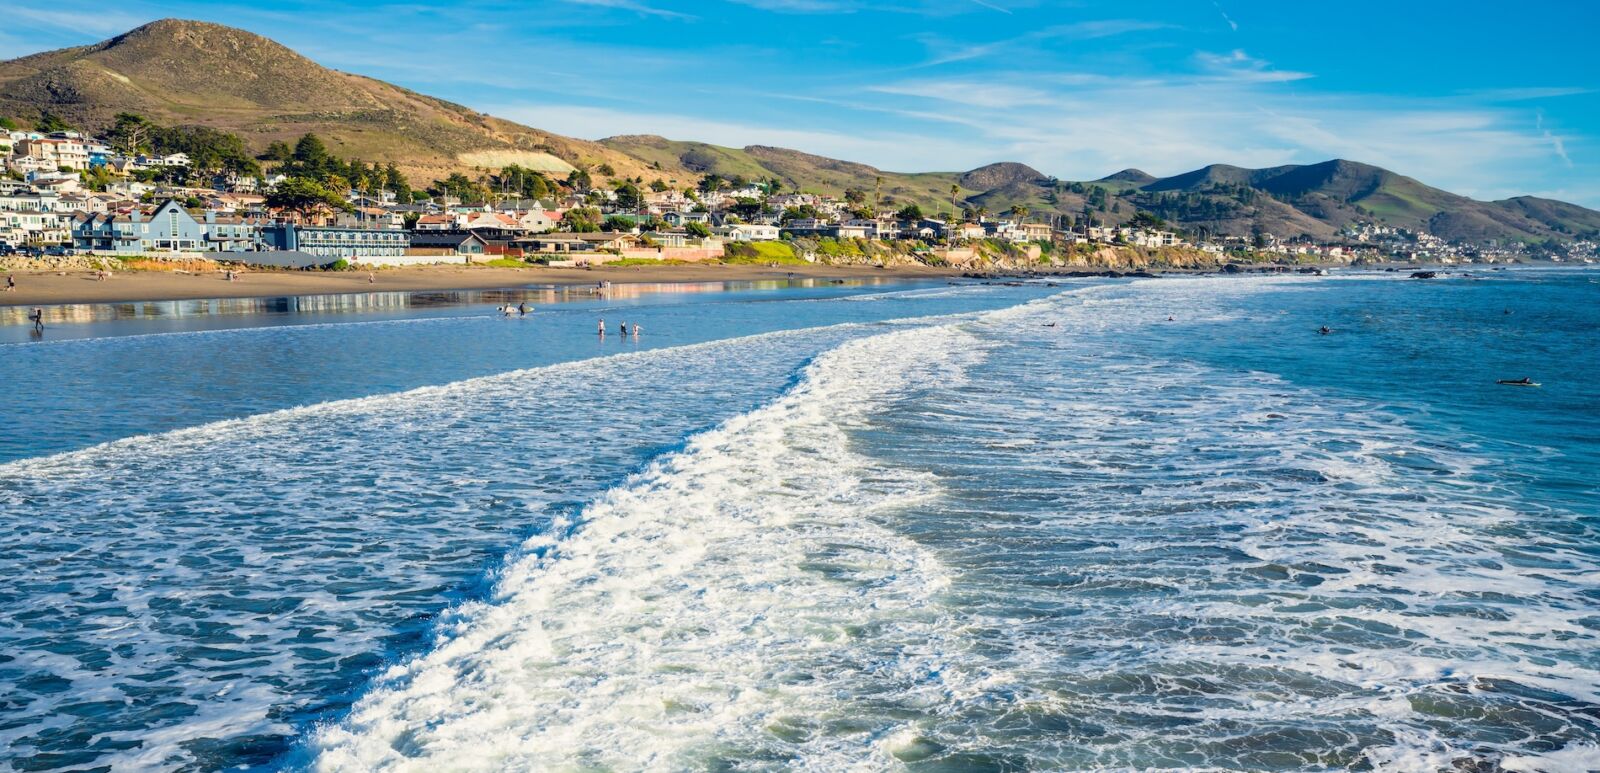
(522, 309)
(1324, 330)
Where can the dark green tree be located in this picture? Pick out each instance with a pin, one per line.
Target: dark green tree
(278, 151)
(629, 196)
(302, 195)
(310, 150)
(582, 220)
(50, 122)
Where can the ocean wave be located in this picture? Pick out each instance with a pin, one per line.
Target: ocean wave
(204, 593)
(708, 609)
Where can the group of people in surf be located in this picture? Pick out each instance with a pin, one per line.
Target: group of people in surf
(625, 328)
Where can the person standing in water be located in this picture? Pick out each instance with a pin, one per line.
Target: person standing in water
(624, 328)
(37, 316)
(635, 330)
(522, 309)
(602, 328)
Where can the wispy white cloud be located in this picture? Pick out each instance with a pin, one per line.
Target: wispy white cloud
(911, 152)
(1237, 65)
(95, 19)
(947, 53)
(1233, 25)
(1081, 126)
(1556, 143)
(909, 7)
(799, 6)
(634, 6)
(1526, 93)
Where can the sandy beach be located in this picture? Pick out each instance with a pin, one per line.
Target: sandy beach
(41, 288)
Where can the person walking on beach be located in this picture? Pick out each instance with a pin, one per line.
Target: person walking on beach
(11, 282)
(371, 278)
(37, 317)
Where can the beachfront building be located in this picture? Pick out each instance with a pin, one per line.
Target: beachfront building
(231, 233)
(749, 232)
(445, 244)
(335, 243)
(577, 242)
(105, 232)
(36, 227)
(170, 228)
(675, 240)
(1025, 232)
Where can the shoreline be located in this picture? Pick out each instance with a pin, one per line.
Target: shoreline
(58, 288)
(44, 287)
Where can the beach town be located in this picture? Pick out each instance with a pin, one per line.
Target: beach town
(108, 204)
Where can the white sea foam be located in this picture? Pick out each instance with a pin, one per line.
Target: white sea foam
(717, 603)
(1062, 556)
(247, 570)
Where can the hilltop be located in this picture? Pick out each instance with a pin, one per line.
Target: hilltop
(1318, 199)
(686, 160)
(193, 73)
(197, 73)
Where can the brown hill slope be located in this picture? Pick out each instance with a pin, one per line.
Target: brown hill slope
(197, 73)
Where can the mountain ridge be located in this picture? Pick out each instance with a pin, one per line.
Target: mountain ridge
(200, 73)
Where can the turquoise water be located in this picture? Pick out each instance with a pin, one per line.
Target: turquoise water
(916, 527)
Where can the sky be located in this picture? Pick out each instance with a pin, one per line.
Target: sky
(1487, 99)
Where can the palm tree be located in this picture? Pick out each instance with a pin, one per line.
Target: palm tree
(1019, 211)
(955, 190)
(877, 194)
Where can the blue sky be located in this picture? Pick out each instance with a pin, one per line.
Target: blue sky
(1486, 99)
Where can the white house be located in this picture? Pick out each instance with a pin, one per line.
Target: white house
(747, 232)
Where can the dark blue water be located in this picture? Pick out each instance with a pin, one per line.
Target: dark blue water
(923, 527)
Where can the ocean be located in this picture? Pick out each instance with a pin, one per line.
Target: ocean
(1100, 524)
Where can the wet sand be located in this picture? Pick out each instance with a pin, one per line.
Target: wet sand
(42, 288)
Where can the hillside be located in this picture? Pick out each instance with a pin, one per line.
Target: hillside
(197, 73)
(200, 74)
(683, 162)
(1318, 199)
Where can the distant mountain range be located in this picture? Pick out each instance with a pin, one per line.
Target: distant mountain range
(198, 73)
